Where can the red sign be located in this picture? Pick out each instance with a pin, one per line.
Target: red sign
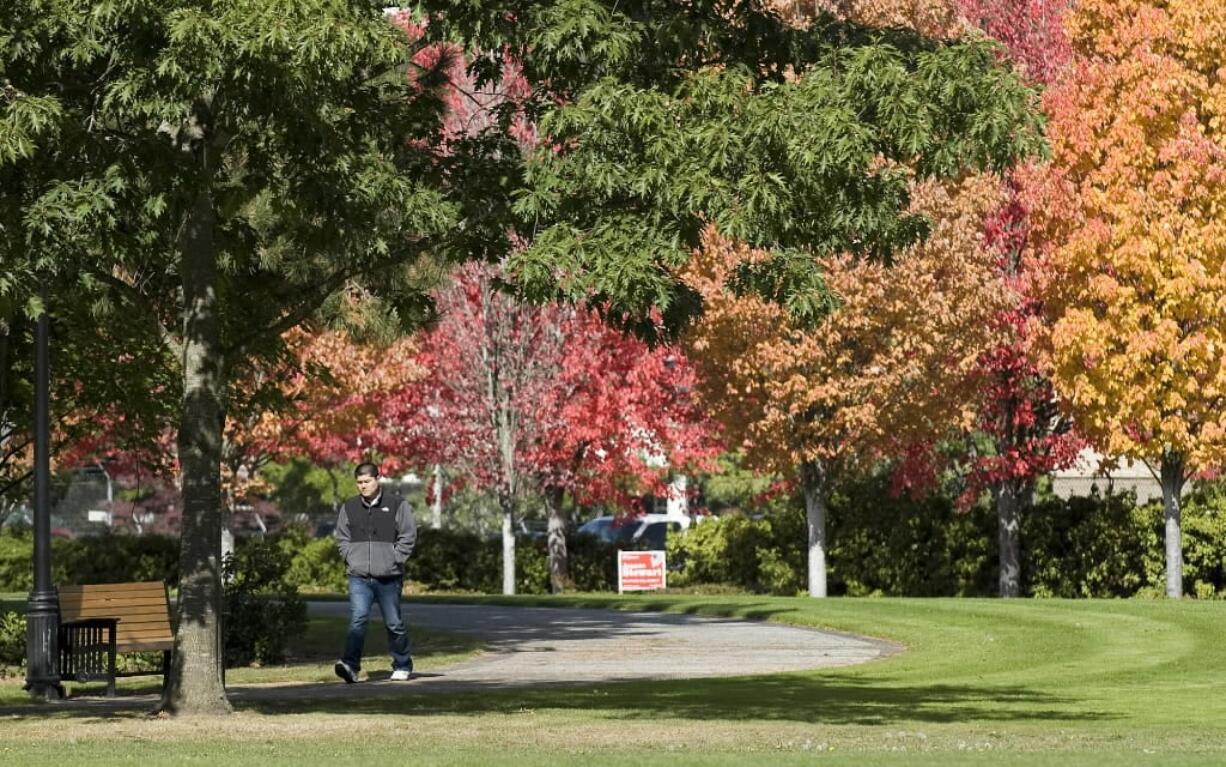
(640, 570)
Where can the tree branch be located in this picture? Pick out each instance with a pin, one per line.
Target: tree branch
(137, 298)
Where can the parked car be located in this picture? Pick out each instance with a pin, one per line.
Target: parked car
(649, 531)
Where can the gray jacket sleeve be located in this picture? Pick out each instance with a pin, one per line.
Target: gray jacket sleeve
(406, 532)
(341, 534)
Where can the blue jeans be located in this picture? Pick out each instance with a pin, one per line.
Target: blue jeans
(364, 591)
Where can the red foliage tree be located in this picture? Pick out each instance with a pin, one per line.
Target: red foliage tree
(548, 398)
(1017, 406)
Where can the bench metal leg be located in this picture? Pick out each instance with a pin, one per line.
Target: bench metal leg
(110, 666)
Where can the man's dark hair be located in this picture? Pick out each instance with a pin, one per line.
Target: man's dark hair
(366, 469)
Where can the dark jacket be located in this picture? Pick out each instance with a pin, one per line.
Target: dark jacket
(376, 540)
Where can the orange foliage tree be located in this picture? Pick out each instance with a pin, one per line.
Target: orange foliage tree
(1130, 213)
(890, 367)
(320, 399)
(1015, 402)
(325, 389)
(939, 19)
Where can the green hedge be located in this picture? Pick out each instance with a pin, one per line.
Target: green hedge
(446, 560)
(100, 559)
(1082, 547)
(262, 607)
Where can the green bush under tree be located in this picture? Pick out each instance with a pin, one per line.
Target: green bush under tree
(1101, 546)
(262, 607)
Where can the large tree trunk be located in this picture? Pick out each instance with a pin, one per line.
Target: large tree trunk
(559, 558)
(813, 478)
(1172, 489)
(1010, 501)
(196, 683)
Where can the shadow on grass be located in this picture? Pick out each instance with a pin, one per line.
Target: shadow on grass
(739, 609)
(508, 629)
(806, 698)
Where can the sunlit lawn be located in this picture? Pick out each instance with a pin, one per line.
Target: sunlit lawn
(982, 682)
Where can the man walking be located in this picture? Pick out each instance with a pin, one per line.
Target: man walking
(375, 532)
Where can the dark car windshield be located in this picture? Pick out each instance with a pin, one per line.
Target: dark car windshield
(609, 530)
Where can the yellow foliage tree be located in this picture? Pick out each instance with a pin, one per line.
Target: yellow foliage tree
(1131, 213)
(938, 19)
(889, 367)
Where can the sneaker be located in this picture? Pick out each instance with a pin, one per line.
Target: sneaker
(402, 675)
(345, 672)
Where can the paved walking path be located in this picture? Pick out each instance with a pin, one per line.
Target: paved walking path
(540, 646)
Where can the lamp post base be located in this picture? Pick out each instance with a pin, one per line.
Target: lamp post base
(42, 643)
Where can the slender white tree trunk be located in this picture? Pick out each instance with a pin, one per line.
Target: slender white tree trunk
(1172, 489)
(436, 508)
(813, 479)
(508, 552)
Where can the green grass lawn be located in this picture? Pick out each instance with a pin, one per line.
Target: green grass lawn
(981, 682)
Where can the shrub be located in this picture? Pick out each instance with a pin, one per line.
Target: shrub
(315, 563)
(115, 558)
(107, 558)
(12, 641)
(16, 554)
(448, 560)
(262, 608)
(1081, 547)
(1087, 547)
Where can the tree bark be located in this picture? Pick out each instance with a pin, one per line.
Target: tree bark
(506, 497)
(508, 544)
(813, 478)
(559, 558)
(1009, 503)
(196, 683)
(1172, 489)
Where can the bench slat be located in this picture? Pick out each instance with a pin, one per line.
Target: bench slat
(131, 628)
(115, 589)
(147, 626)
(123, 645)
(144, 646)
(114, 604)
(136, 597)
(121, 596)
(104, 612)
(93, 588)
(120, 615)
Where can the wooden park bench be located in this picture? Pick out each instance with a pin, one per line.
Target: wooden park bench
(98, 622)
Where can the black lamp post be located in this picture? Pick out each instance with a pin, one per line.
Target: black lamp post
(43, 607)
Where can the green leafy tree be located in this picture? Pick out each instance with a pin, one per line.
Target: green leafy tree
(218, 172)
(657, 118)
